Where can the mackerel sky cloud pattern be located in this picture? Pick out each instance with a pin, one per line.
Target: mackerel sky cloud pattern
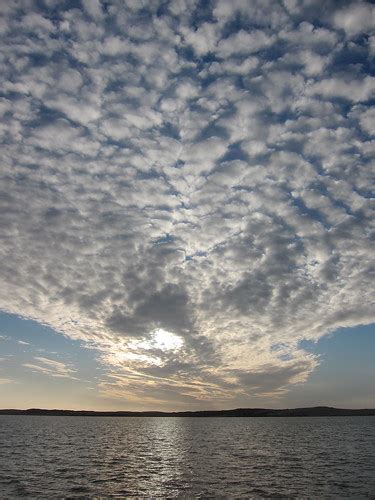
(185, 186)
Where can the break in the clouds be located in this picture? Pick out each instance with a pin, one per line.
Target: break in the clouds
(185, 186)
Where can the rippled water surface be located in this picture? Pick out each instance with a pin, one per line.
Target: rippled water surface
(187, 457)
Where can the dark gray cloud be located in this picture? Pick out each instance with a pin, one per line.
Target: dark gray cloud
(202, 171)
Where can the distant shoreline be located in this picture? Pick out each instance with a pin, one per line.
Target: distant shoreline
(317, 411)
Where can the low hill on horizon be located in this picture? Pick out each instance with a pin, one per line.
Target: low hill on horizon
(316, 411)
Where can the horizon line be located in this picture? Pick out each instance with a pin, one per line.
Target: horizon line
(251, 412)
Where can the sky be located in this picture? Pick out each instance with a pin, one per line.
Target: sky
(186, 204)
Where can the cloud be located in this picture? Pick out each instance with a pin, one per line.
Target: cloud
(366, 119)
(273, 380)
(243, 42)
(358, 17)
(203, 172)
(6, 381)
(51, 368)
(93, 8)
(353, 90)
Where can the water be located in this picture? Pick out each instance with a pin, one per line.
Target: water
(187, 457)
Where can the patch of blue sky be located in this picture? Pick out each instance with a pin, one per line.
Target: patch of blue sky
(346, 374)
(21, 340)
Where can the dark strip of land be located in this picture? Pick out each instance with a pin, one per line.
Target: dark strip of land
(317, 411)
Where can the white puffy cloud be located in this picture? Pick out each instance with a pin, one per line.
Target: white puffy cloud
(243, 42)
(366, 119)
(357, 17)
(165, 169)
(352, 89)
(93, 8)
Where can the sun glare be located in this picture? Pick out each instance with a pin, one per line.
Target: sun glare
(167, 341)
(159, 339)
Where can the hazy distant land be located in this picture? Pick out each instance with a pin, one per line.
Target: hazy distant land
(316, 411)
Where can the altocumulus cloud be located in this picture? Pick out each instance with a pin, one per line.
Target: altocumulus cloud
(185, 186)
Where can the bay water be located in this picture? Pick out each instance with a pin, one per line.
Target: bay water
(177, 457)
